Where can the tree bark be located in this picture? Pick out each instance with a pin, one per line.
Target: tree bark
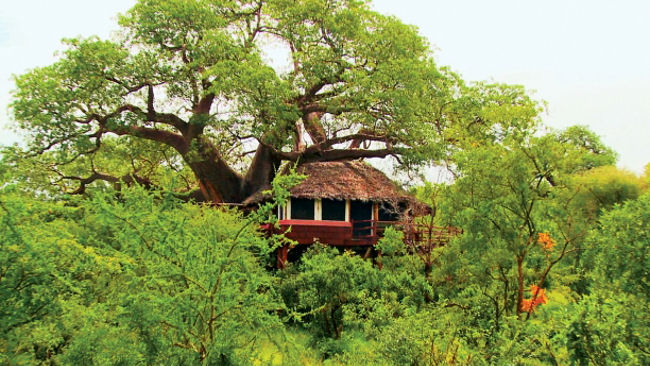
(219, 183)
(261, 171)
(314, 127)
(520, 283)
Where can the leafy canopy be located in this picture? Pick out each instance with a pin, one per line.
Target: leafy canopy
(196, 77)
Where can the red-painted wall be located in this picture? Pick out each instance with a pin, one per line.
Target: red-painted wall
(307, 231)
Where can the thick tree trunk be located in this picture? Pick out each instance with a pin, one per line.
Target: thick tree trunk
(314, 127)
(219, 183)
(261, 171)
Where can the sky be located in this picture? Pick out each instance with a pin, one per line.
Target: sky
(588, 59)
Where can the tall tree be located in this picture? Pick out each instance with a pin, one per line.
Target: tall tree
(520, 205)
(194, 76)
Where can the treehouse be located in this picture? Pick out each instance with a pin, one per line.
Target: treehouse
(345, 204)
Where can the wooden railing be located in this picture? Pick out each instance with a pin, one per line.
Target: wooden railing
(415, 234)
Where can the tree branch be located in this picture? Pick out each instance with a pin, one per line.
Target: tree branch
(97, 176)
(334, 155)
(169, 138)
(353, 137)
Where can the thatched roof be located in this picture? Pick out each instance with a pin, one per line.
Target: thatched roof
(343, 180)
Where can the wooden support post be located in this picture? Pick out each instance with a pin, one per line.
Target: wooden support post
(378, 259)
(283, 254)
(318, 209)
(375, 218)
(368, 252)
(347, 210)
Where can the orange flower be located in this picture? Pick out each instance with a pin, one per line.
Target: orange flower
(539, 294)
(538, 298)
(546, 241)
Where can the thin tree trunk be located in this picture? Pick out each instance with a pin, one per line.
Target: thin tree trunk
(520, 283)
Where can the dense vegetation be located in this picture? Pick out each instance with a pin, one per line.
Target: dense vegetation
(108, 258)
(543, 274)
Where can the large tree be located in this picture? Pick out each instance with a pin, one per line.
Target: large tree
(196, 77)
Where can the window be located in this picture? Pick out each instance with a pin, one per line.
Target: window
(302, 209)
(388, 212)
(333, 210)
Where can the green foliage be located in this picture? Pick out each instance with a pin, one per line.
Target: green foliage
(133, 276)
(599, 189)
(193, 79)
(607, 328)
(328, 285)
(170, 282)
(646, 177)
(117, 164)
(611, 325)
(621, 248)
(524, 207)
(203, 268)
(342, 297)
(583, 149)
(156, 278)
(429, 337)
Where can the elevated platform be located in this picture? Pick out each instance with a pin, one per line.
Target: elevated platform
(363, 233)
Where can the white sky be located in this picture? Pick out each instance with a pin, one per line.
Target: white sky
(589, 59)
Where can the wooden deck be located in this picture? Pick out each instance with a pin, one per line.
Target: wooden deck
(414, 234)
(364, 233)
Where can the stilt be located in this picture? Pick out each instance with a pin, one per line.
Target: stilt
(368, 252)
(283, 253)
(378, 259)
